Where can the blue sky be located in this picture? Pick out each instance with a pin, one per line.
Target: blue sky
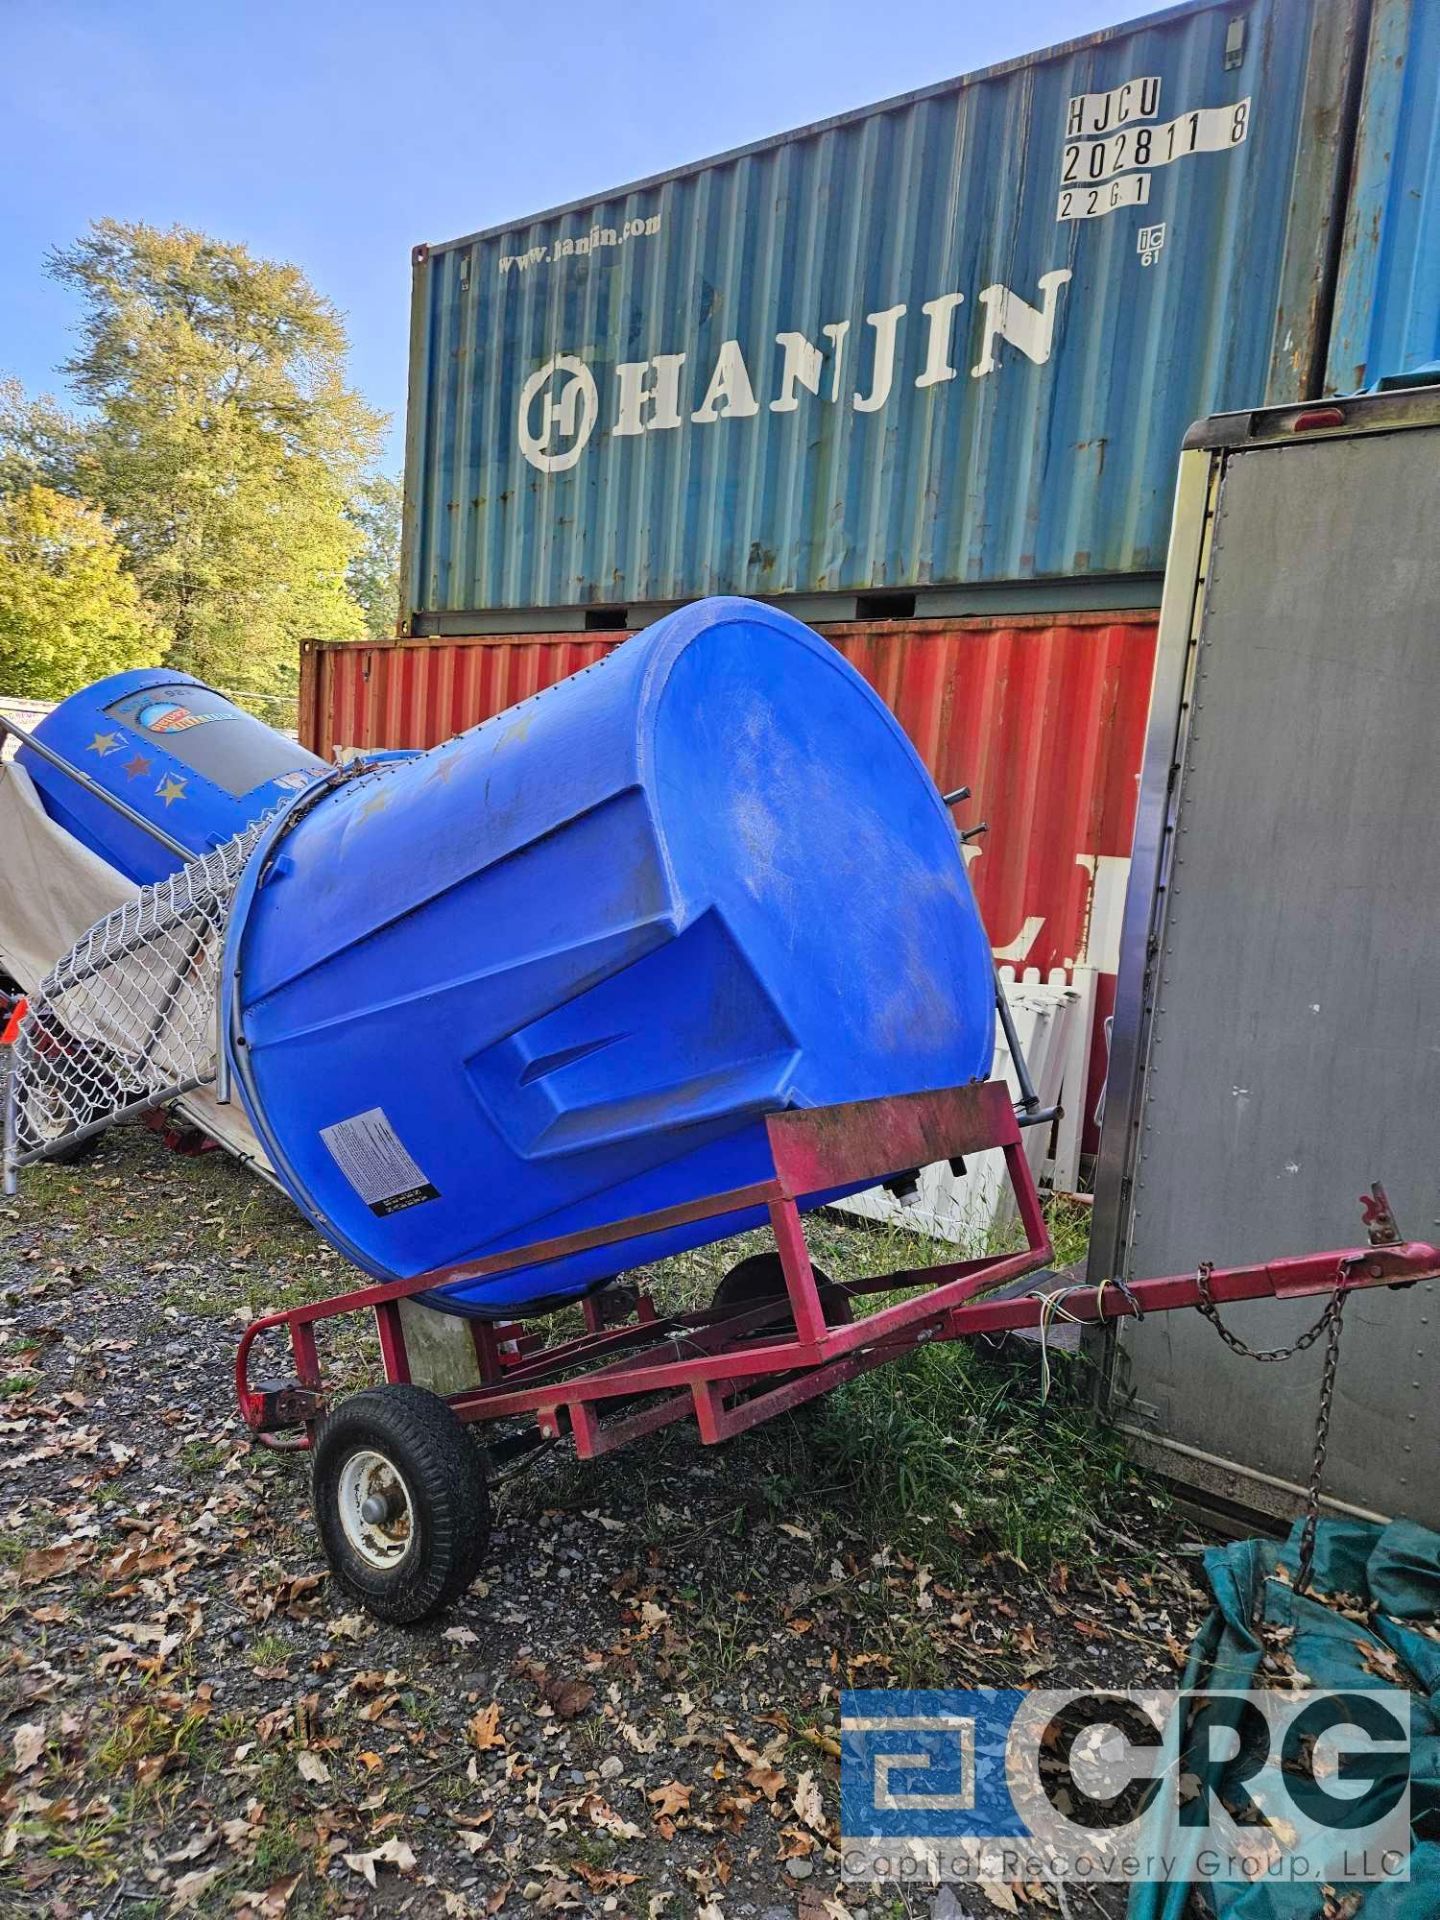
(337, 133)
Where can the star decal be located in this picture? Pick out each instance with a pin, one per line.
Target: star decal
(170, 789)
(136, 765)
(104, 743)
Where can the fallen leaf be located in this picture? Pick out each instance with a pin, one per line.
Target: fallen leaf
(999, 1895)
(47, 1563)
(29, 1745)
(483, 1731)
(808, 1804)
(269, 1905)
(1381, 1662)
(569, 1698)
(190, 1886)
(193, 1848)
(602, 1879)
(391, 1853)
(155, 1765)
(312, 1768)
(769, 1780)
(669, 1799)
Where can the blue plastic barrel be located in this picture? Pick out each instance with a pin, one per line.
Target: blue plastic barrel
(177, 752)
(555, 972)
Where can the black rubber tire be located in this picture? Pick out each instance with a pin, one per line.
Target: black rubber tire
(437, 1462)
(761, 1277)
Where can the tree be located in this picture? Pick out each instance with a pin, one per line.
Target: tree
(40, 444)
(373, 575)
(69, 612)
(225, 443)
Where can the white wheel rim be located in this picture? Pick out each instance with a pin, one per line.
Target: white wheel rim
(381, 1542)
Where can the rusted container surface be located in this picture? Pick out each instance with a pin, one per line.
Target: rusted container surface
(1387, 303)
(1042, 719)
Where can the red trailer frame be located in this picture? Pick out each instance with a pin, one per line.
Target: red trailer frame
(734, 1367)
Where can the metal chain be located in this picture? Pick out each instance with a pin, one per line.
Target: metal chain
(1329, 1323)
(1322, 1442)
(1206, 1305)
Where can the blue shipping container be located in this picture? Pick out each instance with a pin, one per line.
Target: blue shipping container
(1387, 309)
(954, 338)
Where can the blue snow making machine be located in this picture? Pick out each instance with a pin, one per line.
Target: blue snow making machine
(182, 756)
(555, 973)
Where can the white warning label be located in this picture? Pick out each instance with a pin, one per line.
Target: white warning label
(376, 1162)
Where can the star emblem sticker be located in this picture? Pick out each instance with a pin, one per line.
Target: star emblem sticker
(136, 765)
(104, 743)
(170, 789)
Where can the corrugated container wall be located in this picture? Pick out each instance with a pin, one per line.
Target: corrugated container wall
(1044, 720)
(1387, 309)
(954, 338)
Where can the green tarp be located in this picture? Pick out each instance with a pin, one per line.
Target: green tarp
(1390, 1576)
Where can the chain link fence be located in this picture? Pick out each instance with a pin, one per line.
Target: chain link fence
(129, 1017)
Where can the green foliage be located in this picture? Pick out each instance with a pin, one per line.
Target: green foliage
(373, 575)
(69, 612)
(954, 1443)
(40, 443)
(225, 444)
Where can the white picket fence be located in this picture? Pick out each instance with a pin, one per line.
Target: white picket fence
(1054, 1019)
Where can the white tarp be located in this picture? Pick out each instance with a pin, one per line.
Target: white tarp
(53, 890)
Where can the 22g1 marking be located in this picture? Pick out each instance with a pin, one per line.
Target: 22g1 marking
(1089, 203)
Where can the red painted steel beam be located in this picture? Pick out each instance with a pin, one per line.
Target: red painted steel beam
(664, 1367)
(1350, 1269)
(819, 1148)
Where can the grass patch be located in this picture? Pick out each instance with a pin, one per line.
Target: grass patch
(939, 1455)
(949, 1442)
(146, 1732)
(269, 1650)
(206, 1456)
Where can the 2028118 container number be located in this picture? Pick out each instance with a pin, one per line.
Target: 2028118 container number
(1206, 130)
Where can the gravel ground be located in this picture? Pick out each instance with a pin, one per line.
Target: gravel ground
(633, 1712)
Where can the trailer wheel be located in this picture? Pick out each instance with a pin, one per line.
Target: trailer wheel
(761, 1277)
(403, 1513)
